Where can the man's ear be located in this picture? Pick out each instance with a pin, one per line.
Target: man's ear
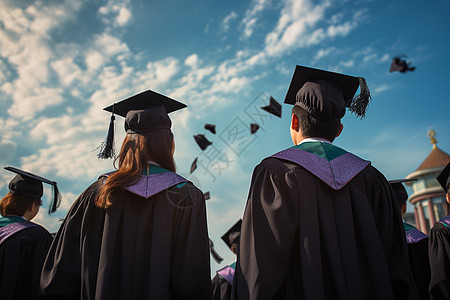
(294, 122)
(341, 127)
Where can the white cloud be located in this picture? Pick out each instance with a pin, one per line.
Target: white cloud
(369, 57)
(251, 15)
(323, 53)
(298, 27)
(158, 73)
(110, 45)
(94, 60)
(385, 58)
(192, 61)
(25, 45)
(67, 70)
(116, 13)
(227, 20)
(69, 160)
(340, 30)
(124, 16)
(382, 88)
(28, 100)
(295, 19)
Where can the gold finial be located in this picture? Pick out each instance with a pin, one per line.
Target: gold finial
(431, 135)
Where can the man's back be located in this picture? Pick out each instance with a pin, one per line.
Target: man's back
(320, 223)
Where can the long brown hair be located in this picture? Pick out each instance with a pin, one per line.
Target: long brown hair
(136, 151)
(17, 205)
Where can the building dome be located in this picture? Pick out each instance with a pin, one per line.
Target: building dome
(428, 197)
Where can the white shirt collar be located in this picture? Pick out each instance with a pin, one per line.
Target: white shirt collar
(315, 139)
(151, 162)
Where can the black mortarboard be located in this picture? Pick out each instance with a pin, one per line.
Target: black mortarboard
(274, 107)
(214, 254)
(325, 94)
(211, 127)
(233, 234)
(202, 141)
(30, 185)
(193, 165)
(444, 179)
(399, 64)
(254, 128)
(399, 190)
(143, 112)
(207, 196)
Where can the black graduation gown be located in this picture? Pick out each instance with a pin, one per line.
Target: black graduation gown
(155, 248)
(222, 284)
(21, 258)
(418, 259)
(303, 239)
(221, 288)
(439, 253)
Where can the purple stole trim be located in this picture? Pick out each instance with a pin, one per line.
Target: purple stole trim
(445, 221)
(414, 236)
(10, 229)
(149, 185)
(335, 173)
(227, 273)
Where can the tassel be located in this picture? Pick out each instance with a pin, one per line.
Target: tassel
(56, 199)
(359, 103)
(214, 254)
(107, 149)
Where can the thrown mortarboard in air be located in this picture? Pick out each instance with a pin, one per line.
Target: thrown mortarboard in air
(214, 254)
(211, 127)
(254, 128)
(444, 178)
(193, 165)
(30, 185)
(202, 141)
(399, 190)
(325, 94)
(207, 195)
(274, 107)
(233, 234)
(400, 64)
(144, 112)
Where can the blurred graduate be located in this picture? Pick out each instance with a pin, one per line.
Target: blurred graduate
(23, 244)
(439, 246)
(139, 232)
(320, 222)
(417, 243)
(223, 280)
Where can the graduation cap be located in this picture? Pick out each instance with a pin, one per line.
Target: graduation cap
(214, 254)
(400, 64)
(211, 127)
(202, 141)
(254, 128)
(207, 195)
(30, 185)
(193, 165)
(144, 112)
(233, 234)
(399, 190)
(274, 107)
(444, 179)
(325, 94)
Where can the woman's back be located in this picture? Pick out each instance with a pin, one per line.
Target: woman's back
(155, 248)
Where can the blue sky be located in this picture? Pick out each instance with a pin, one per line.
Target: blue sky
(61, 62)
